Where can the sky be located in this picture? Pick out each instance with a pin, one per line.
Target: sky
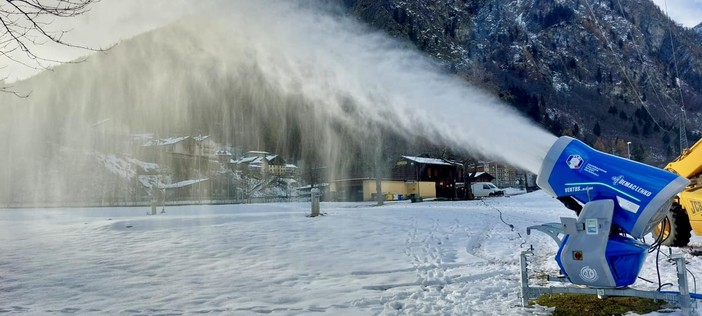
(107, 23)
(686, 12)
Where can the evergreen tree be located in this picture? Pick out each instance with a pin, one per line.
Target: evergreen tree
(623, 116)
(535, 112)
(638, 153)
(597, 130)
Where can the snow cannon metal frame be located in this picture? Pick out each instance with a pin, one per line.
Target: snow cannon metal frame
(617, 195)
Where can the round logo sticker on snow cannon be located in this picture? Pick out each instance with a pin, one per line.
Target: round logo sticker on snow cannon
(574, 161)
(588, 274)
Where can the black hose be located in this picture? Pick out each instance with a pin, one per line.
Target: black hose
(511, 227)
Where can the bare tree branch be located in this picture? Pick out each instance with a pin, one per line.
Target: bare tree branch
(8, 89)
(26, 24)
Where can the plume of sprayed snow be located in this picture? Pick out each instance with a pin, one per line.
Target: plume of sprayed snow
(328, 60)
(291, 71)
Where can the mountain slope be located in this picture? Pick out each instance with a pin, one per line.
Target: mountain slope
(569, 64)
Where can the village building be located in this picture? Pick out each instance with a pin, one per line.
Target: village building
(411, 178)
(505, 176)
(443, 173)
(261, 164)
(364, 189)
(185, 157)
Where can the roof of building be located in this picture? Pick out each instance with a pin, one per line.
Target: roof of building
(165, 141)
(256, 152)
(245, 160)
(429, 161)
(483, 174)
(181, 184)
(149, 141)
(255, 160)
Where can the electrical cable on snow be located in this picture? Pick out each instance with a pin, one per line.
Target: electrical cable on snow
(656, 246)
(658, 271)
(694, 278)
(511, 227)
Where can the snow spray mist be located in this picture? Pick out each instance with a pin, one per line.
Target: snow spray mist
(266, 72)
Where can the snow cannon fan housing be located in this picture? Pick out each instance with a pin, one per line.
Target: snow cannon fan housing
(616, 192)
(642, 194)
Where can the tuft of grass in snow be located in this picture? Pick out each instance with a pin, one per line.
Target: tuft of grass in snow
(579, 304)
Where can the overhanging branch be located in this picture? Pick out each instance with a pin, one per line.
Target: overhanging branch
(26, 24)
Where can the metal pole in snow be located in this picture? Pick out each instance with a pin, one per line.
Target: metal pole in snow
(315, 202)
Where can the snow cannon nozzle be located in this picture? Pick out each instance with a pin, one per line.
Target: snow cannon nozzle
(642, 194)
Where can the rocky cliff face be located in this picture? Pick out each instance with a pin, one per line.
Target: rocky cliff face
(607, 71)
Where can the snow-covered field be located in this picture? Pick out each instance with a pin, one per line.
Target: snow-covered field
(432, 258)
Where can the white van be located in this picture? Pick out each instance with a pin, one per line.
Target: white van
(483, 189)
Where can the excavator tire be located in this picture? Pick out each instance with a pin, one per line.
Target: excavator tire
(676, 226)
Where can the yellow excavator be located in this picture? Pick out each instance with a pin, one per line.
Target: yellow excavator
(686, 212)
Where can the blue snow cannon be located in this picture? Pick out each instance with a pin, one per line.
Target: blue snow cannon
(614, 195)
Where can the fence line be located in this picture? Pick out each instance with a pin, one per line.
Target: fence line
(147, 203)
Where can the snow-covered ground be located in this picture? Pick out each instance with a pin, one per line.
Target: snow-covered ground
(432, 258)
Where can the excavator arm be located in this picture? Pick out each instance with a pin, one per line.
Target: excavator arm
(689, 163)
